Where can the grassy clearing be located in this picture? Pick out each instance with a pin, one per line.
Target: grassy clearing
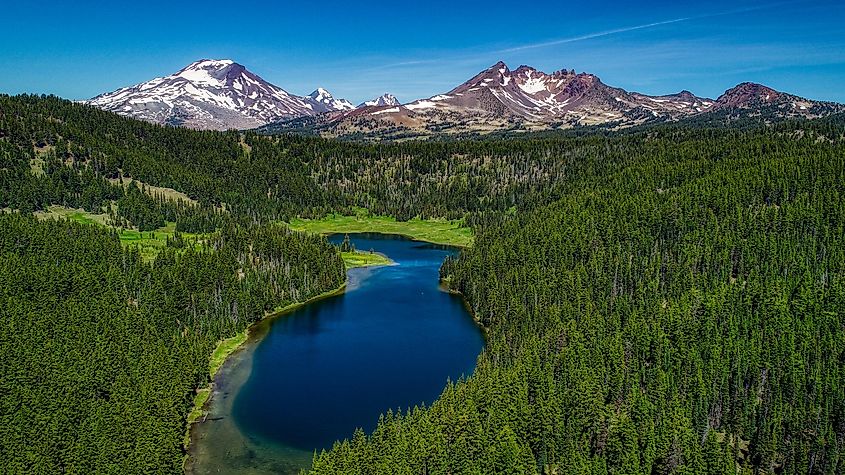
(78, 215)
(438, 231)
(199, 401)
(167, 193)
(224, 349)
(364, 259)
(149, 243)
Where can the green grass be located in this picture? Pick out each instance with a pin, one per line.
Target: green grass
(438, 231)
(364, 259)
(197, 412)
(149, 243)
(78, 215)
(224, 349)
(199, 401)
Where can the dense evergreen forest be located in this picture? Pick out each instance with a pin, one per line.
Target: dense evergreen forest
(659, 300)
(102, 351)
(677, 311)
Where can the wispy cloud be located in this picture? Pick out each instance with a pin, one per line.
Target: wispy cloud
(473, 55)
(401, 64)
(615, 31)
(416, 76)
(588, 36)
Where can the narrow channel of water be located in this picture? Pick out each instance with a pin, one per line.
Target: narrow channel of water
(311, 377)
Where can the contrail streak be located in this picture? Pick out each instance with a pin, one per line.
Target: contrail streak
(615, 31)
(592, 35)
(473, 57)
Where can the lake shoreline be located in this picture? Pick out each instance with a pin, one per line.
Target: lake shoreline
(445, 286)
(227, 347)
(223, 353)
(204, 396)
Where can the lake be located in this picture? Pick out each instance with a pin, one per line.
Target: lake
(310, 377)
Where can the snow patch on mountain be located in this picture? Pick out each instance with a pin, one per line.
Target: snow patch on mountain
(322, 100)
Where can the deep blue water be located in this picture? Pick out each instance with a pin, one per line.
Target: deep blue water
(391, 341)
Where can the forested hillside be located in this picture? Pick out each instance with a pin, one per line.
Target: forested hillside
(102, 352)
(58, 152)
(659, 300)
(677, 311)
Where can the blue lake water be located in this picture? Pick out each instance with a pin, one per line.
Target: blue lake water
(308, 378)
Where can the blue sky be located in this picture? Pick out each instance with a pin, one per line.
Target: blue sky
(358, 50)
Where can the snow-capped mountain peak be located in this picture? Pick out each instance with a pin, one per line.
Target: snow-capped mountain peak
(323, 101)
(321, 94)
(385, 99)
(222, 94)
(529, 95)
(214, 94)
(211, 72)
(209, 64)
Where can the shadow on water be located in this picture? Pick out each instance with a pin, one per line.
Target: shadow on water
(311, 377)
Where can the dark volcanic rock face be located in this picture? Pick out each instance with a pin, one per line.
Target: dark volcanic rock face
(749, 94)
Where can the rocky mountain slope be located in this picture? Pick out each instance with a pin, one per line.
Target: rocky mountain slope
(561, 96)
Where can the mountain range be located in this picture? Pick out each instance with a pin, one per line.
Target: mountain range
(222, 94)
